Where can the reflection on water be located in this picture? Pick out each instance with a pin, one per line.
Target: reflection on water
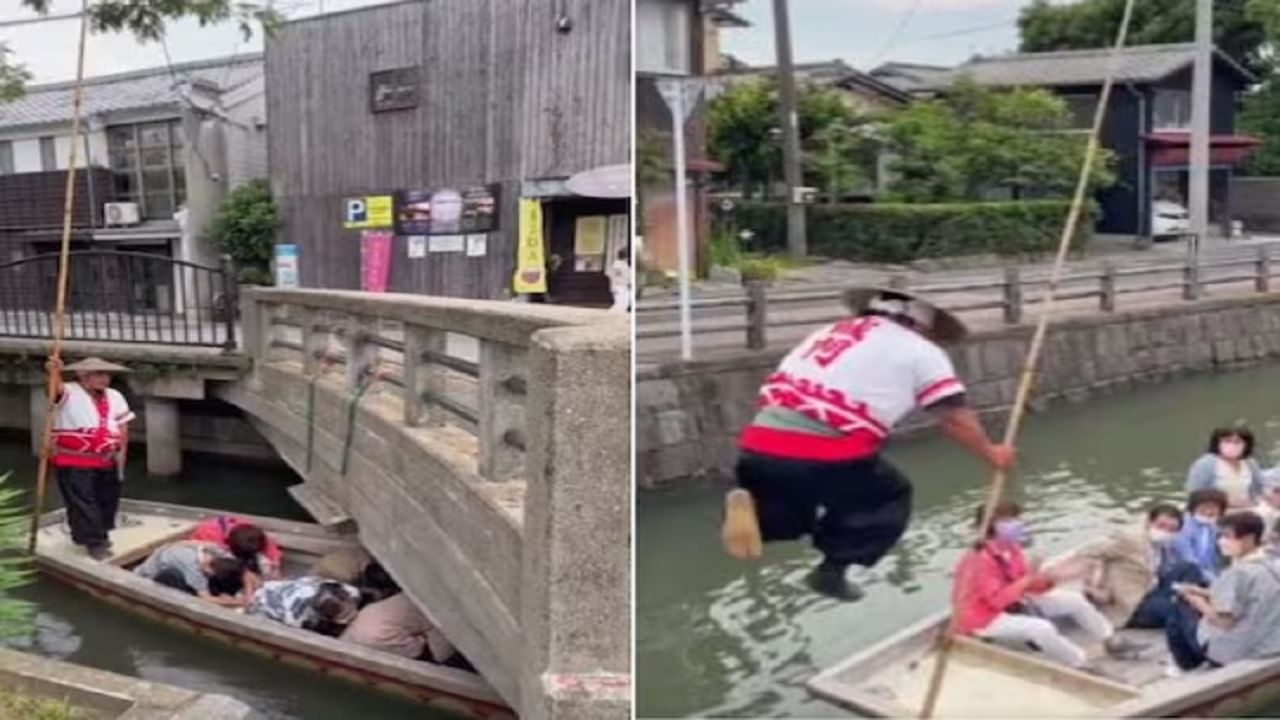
(72, 626)
(720, 638)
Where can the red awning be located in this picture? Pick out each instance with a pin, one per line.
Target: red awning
(1173, 149)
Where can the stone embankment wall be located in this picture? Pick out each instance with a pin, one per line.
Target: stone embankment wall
(688, 415)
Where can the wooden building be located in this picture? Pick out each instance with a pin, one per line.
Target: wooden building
(514, 95)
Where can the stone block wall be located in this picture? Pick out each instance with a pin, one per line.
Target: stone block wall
(688, 415)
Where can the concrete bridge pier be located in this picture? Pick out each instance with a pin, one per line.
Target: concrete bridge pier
(164, 442)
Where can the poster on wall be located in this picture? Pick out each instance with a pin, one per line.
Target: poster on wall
(477, 245)
(531, 269)
(417, 246)
(589, 243)
(445, 243)
(287, 266)
(375, 260)
(447, 211)
(372, 211)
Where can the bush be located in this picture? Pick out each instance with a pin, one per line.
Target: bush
(245, 228)
(759, 269)
(897, 233)
(725, 249)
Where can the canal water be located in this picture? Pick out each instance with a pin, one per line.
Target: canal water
(716, 637)
(74, 627)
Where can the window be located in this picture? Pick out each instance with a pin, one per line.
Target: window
(393, 89)
(48, 154)
(1081, 109)
(6, 157)
(663, 37)
(1172, 110)
(147, 166)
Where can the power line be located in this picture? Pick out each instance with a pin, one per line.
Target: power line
(40, 19)
(963, 31)
(897, 32)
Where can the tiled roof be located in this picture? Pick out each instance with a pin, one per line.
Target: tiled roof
(1137, 64)
(910, 77)
(132, 91)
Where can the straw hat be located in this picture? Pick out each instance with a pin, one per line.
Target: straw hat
(944, 325)
(96, 364)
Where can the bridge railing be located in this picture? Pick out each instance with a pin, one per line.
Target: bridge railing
(1009, 295)
(124, 297)
(540, 397)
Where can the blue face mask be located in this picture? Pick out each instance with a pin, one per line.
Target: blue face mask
(1011, 531)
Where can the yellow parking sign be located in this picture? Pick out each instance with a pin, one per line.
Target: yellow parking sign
(373, 211)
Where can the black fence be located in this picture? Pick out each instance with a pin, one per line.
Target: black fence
(126, 297)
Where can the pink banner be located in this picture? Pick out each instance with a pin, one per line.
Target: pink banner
(375, 259)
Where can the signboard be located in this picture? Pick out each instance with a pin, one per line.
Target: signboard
(447, 211)
(287, 266)
(374, 211)
(477, 245)
(393, 89)
(445, 243)
(417, 246)
(531, 267)
(375, 260)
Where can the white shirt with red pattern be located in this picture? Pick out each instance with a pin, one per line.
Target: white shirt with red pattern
(859, 377)
(87, 428)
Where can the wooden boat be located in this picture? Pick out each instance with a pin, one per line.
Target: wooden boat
(989, 681)
(145, 526)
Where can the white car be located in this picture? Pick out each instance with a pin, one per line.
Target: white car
(1169, 220)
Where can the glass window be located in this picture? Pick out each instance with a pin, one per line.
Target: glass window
(1081, 109)
(1172, 110)
(6, 157)
(147, 160)
(48, 154)
(662, 36)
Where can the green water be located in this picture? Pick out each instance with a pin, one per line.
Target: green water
(74, 627)
(716, 637)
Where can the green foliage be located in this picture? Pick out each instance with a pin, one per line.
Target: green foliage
(245, 228)
(1260, 117)
(15, 566)
(760, 269)
(977, 140)
(742, 135)
(1243, 29)
(653, 159)
(896, 233)
(13, 77)
(25, 707)
(725, 250)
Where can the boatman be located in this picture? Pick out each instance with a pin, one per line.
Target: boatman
(90, 437)
(811, 460)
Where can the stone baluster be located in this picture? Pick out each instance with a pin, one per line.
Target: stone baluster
(362, 355)
(1012, 295)
(1108, 296)
(1263, 280)
(757, 315)
(502, 390)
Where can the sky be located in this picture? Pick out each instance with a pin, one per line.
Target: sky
(865, 33)
(48, 49)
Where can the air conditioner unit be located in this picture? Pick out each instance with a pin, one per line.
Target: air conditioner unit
(121, 213)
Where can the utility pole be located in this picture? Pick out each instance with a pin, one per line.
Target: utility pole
(1201, 84)
(797, 244)
(682, 95)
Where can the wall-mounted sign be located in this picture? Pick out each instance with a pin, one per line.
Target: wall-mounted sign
(375, 260)
(531, 267)
(287, 266)
(374, 211)
(445, 243)
(417, 246)
(477, 245)
(447, 211)
(393, 89)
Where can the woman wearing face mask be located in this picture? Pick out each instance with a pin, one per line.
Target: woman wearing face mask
(1229, 466)
(1198, 541)
(998, 596)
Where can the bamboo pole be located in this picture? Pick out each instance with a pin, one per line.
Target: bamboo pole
(1027, 377)
(60, 307)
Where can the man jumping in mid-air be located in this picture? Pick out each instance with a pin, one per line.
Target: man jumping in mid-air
(811, 463)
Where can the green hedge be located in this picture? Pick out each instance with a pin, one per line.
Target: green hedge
(895, 233)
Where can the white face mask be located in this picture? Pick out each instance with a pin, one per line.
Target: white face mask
(1160, 537)
(1207, 519)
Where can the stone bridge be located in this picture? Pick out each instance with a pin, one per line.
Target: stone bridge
(481, 450)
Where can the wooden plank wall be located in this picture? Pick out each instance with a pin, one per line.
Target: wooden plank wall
(504, 97)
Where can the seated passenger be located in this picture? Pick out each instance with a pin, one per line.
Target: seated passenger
(344, 566)
(307, 602)
(1268, 507)
(1238, 616)
(1198, 541)
(201, 569)
(1228, 465)
(396, 625)
(244, 540)
(1134, 569)
(998, 597)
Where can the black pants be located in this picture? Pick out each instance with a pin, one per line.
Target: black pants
(1156, 609)
(855, 510)
(174, 579)
(92, 498)
(1183, 622)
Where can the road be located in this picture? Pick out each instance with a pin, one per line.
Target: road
(718, 331)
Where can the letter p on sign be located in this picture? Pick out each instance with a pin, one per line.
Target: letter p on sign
(357, 212)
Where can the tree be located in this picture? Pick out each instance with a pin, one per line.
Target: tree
(12, 77)
(1243, 29)
(743, 135)
(975, 140)
(245, 228)
(1260, 117)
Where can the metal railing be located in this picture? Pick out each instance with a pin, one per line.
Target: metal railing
(124, 297)
(1010, 294)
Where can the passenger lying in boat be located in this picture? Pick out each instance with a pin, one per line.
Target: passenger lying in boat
(397, 626)
(1238, 616)
(1229, 466)
(246, 541)
(344, 566)
(307, 602)
(998, 596)
(201, 569)
(1198, 540)
(1133, 570)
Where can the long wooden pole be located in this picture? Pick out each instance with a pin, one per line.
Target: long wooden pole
(59, 313)
(1027, 377)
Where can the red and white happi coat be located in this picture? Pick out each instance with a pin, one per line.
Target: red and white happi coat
(88, 429)
(858, 377)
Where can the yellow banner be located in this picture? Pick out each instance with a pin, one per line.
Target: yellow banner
(531, 265)
(374, 211)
